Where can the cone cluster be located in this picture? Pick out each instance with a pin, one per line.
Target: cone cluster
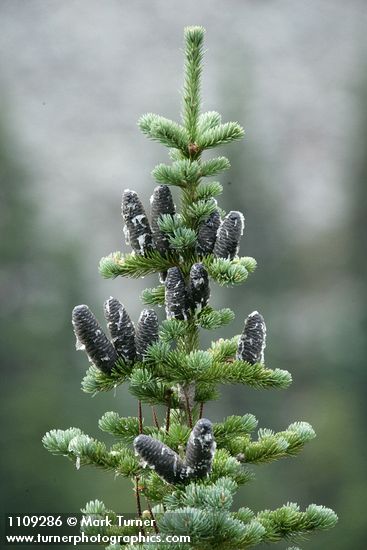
(198, 460)
(180, 297)
(126, 342)
(221, 238)
(142, 236)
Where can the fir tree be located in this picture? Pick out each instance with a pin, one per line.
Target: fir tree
(185, 468)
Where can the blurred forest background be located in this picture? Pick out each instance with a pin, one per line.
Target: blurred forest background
(74, 78)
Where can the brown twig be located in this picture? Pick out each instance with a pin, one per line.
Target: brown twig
(155, 418)
(201, 410)
(188, 410)
(140, 417)
(155, 527)
(168, 414)
(138, 502)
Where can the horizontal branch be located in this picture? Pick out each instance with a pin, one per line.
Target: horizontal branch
(220, 135)
(223, 349)
(214, 166)
(149, 389)
(256, 376)
(165, 131)
(209, 190)
(271, 446)
(288, 521)
(85, 450)
(225, 465)
(209, 120)
(134, 265)
(96, 381)
(179, 173)
(225, 272)
(233, 426)
(153, 296)
(184, 172)
(126, 429)
(211, 319)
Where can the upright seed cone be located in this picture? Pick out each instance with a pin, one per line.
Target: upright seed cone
(207, 234)
(200, 449)
(137, 229)
(252, 341)
(91, 337)
(229, 235)
(161, 203)
(199, 286)
(161, 458)
(176, 296)
(121, 329)
(146, 332)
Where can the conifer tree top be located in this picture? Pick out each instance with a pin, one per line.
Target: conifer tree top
(184, 467)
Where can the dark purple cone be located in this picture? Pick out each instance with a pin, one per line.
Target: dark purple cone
(161, 203)
(91, 337)
(146, 332)
(229, 235)
(161, 458)
(176, 296)
(207, 234)
(200, 449)
(199, 286)
(121, 329)
(137, 229)
(252, 341)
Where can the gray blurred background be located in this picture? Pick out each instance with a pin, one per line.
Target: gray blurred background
(74, 78)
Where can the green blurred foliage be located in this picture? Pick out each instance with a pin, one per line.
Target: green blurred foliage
(41, 280)
(328, 276)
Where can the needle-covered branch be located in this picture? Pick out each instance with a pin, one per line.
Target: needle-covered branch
(272, 446)
(194, 41)
(84, 450)
(288, 521)
(226, 272)
(94, 522)
(240, 372)
(180, 173)
(153, 296)
(198, 516)
(209, 190)
(233, 427)
(149, 389)
(167, 132)
(132, 265)
(220, 135)
(211, 319)
(96, 381)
